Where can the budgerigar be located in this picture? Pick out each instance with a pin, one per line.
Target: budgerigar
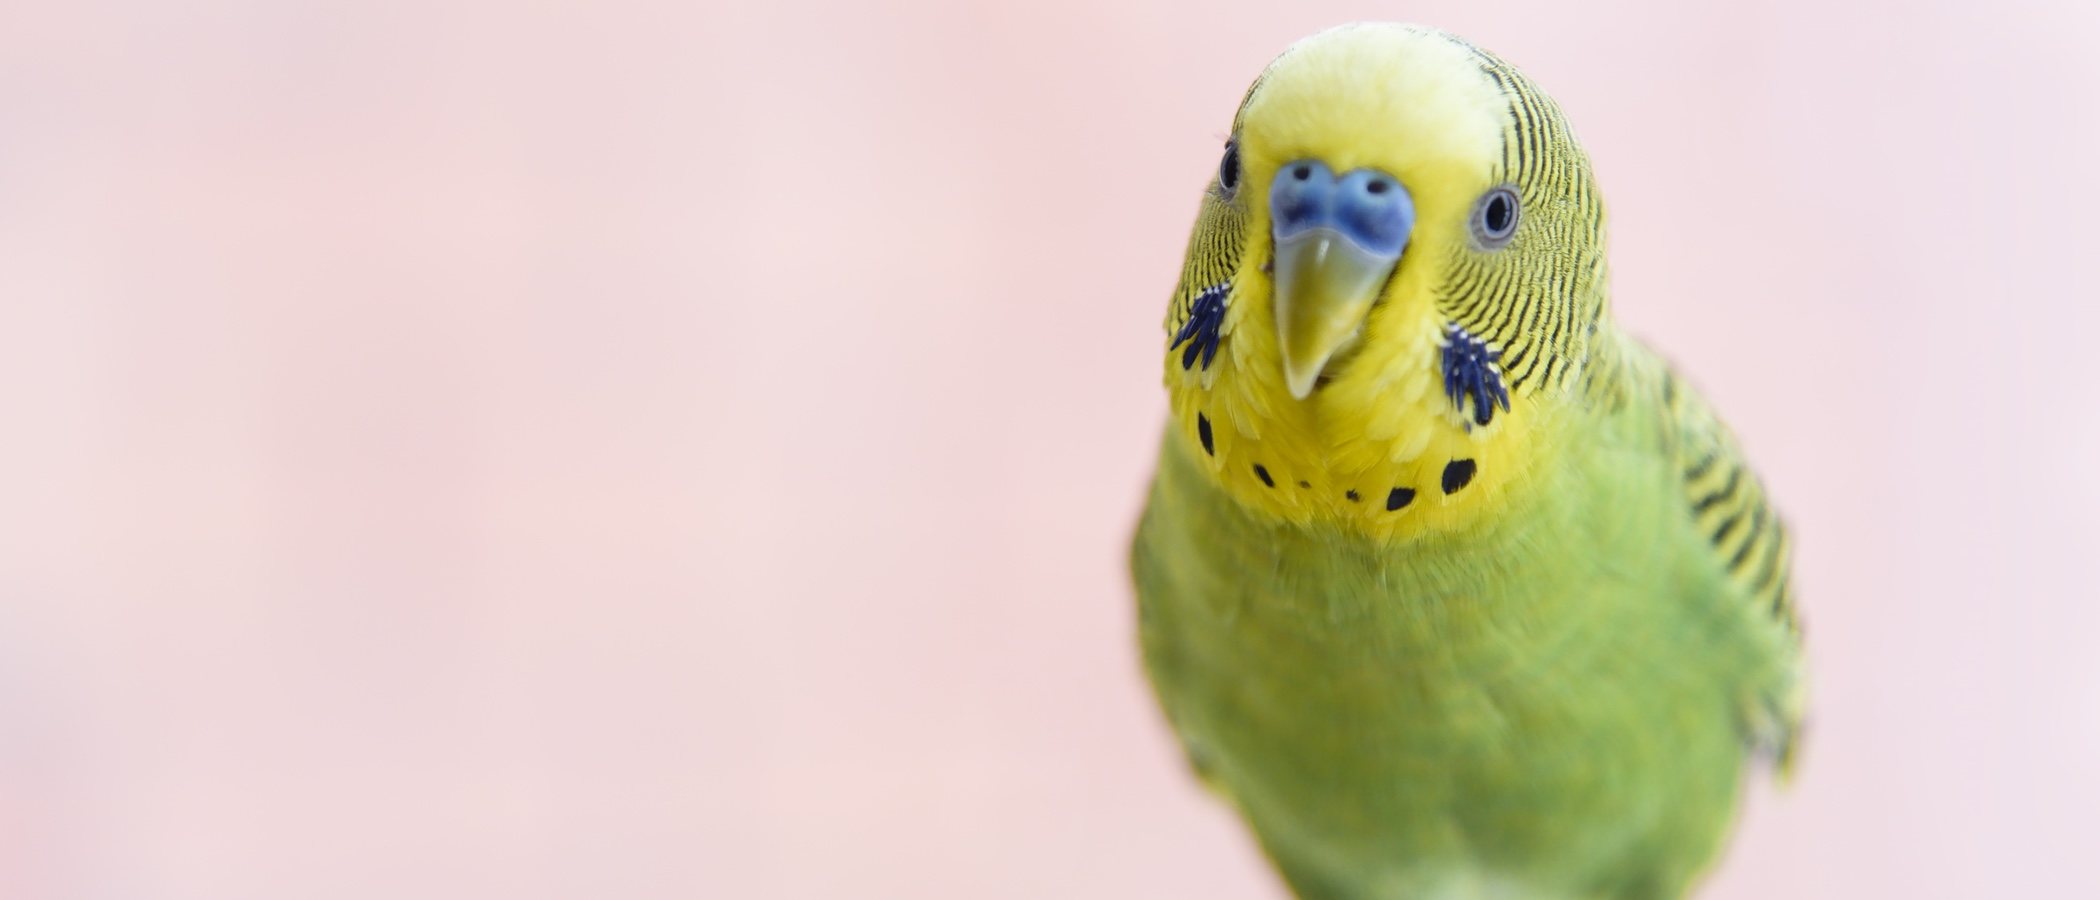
(1448, 585)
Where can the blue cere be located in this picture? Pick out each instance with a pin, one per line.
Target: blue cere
(1370, 208)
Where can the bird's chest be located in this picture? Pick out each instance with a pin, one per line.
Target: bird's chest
(1449, 680)
(1459, 702)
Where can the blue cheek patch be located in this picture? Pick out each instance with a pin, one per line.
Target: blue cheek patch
(1471, 370)
(1200, 332)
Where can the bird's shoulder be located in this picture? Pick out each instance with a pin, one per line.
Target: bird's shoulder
(1724, 501)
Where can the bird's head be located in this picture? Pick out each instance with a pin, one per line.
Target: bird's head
(1392, 286)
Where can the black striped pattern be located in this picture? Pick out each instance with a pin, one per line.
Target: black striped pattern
(1539, 299)
(1213, 256)
(1726, 499)
(1218, 241)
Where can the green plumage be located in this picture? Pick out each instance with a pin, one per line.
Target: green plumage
(1556, 705)
(1556, 699)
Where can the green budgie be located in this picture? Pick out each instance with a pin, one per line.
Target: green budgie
(1448, 585)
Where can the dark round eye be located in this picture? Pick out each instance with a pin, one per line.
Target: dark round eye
(1495, 217)
(1229, 168)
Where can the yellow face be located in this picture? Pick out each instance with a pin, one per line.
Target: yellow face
(1391, 287)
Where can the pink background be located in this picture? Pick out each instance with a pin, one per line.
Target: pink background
(477, 451)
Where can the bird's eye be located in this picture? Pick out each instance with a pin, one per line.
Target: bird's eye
(1495, 217)
(1229, 169)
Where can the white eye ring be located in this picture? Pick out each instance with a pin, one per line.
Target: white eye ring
(1495, 217)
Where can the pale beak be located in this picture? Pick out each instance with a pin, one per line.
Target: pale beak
(1337, 242)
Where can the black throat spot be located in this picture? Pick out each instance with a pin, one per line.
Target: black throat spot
(1457, 474)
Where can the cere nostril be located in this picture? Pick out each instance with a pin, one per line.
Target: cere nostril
(1376, 187)
(1302, 172)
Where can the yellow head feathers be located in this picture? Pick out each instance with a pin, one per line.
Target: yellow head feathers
(1411, 101)
(1389, 296)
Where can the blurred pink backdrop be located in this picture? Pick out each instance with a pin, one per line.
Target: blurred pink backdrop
(470, 450)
